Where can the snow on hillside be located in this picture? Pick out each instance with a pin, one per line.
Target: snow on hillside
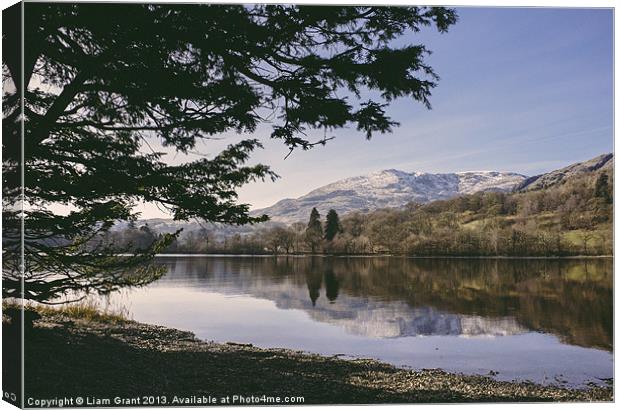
(389, 188)
(392, 188)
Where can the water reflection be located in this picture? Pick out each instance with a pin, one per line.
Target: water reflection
(400, 297)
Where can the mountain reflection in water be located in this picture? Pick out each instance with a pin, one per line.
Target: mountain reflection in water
(396, 297)
(534, 319)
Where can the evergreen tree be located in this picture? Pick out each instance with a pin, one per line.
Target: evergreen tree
(314, 230)
(601, 189)
(314, 224)
(103, 86)
(332, 225)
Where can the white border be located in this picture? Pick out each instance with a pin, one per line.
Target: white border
(453, 3)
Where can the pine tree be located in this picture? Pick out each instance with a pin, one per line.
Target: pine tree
(314, 224)
(104, 85)
(601, 189)
(314, 230)
(332, 225)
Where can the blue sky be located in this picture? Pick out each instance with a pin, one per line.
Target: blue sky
(522, 89)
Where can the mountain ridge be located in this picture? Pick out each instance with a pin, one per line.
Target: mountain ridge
(388, 189)
(340, 195)
(393, 188)
(558, 176)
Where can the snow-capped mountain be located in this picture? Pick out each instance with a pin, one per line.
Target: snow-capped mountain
(389, 189)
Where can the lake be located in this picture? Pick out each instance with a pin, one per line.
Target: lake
(545, 320)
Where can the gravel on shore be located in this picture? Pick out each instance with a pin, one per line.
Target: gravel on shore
(67, 356)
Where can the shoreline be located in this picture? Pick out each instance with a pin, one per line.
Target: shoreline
(321, 255)
(127, 358)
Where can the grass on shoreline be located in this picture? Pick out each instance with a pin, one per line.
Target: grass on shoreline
(125, 358)
(85, 310)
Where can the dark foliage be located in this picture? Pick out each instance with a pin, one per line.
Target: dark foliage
(314, 231)
(332, 225)
(602, 189)
(103, 80)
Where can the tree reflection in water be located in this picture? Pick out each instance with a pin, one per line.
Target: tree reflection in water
(570, 298)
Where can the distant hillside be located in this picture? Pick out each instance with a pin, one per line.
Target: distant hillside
(561, 210)
(602, 162)
(389, 189)
(564, 212)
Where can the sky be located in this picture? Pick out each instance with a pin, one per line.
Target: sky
(527, 90)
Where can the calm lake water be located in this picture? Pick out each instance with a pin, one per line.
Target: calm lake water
(548, 321)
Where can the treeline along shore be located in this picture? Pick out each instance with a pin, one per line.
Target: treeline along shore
(573, 218)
